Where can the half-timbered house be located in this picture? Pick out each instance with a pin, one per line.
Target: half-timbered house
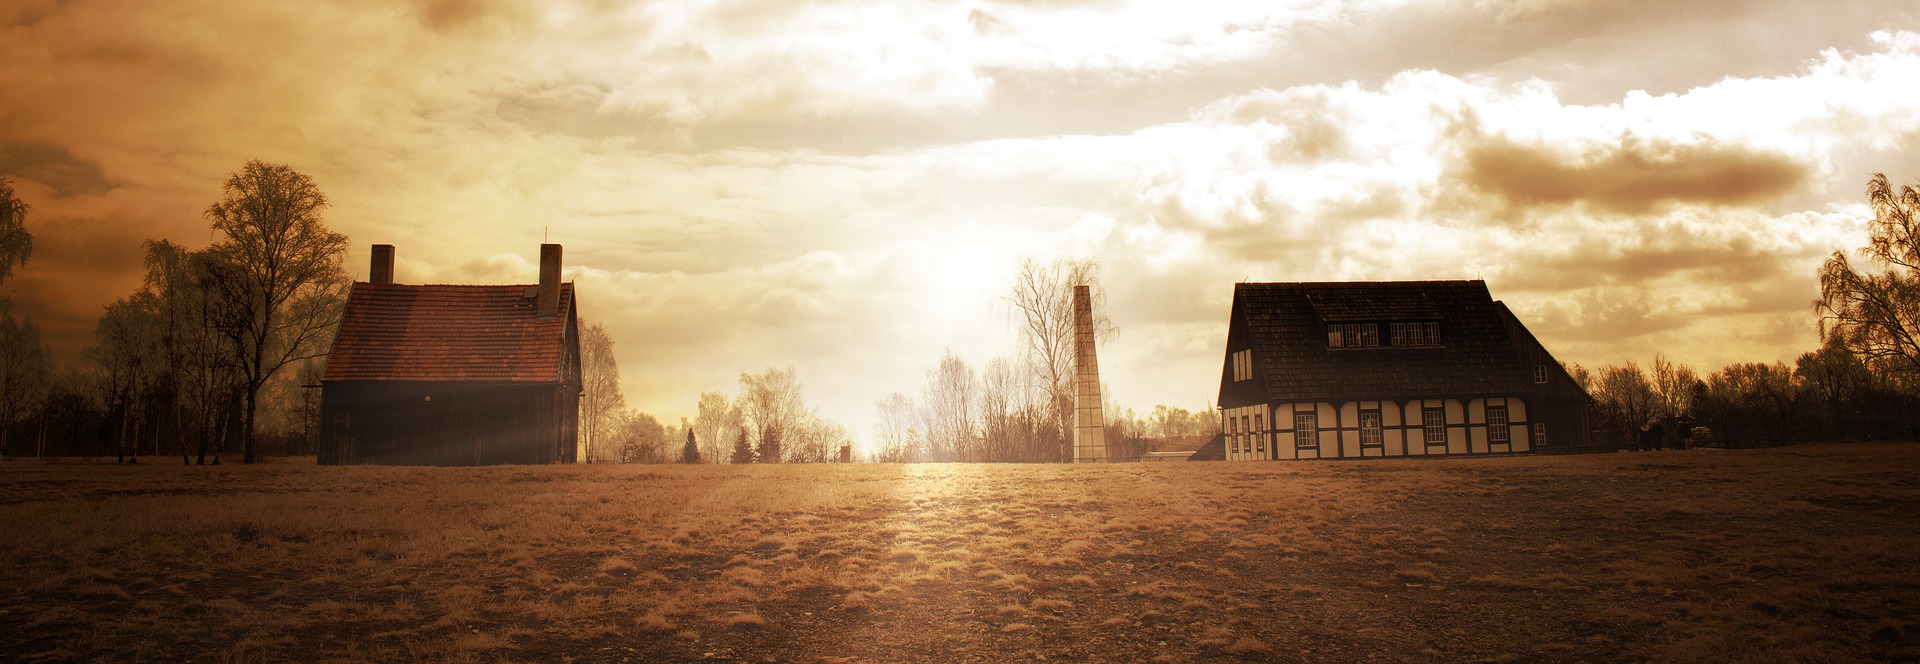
(1389, 369)
(453, 375)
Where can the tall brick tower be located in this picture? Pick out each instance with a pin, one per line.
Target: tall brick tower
(1089, 433)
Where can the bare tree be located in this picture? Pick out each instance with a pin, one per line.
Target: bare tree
(26, 368)
(1836, 379)
(893, 432)
(1672, 386)
(641, 438)
(814, 439)
(771, 406)
(16, 244)
(26, 373)
(1755, 393)
(130, 352)
(1000, 426)
(1877, 315)
(601, 400)
(714, 421)
(1625, 398)
(275, 276)
(949, 409)
(1042, 301)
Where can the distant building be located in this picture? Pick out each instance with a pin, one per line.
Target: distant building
(453, 375)
(1389, 369)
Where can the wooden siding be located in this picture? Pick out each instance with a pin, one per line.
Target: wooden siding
(447, 424)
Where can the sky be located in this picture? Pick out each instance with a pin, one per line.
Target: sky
(847, 187)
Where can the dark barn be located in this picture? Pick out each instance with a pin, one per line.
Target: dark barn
(1390, 369)
(453, 375)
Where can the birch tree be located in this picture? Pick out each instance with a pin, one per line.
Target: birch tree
(275, 276)
(1875, 312)
(601, 401)
(16, 244)
(1042, 306)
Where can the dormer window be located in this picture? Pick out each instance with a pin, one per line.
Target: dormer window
(1353, 335)
(1423, 333)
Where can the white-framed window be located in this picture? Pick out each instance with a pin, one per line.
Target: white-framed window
(1306, 430)
(1540, 374)
(1243, 424)
(1350, 335)
(1497, 425)
(1432, 335)
(1435, 423)
(1243, 364)
(1400, 334)
(1336, 335)
(1539, 433)
(1370, 435)
(1369, 334)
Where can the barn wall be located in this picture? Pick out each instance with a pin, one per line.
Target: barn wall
(446, 424)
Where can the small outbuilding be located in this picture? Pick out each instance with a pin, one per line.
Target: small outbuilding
(453, 375)
(1390, 369)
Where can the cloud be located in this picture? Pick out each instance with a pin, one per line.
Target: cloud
(64, 175)
(1630, 175)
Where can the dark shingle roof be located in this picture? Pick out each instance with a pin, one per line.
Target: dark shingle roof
(397, 332)
(1287, 322)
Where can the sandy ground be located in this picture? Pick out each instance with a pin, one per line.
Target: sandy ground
(1808, 553)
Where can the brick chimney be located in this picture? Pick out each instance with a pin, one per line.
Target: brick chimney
(382, 264)
(549, 303)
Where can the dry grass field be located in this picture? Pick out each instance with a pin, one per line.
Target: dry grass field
(1807, 553)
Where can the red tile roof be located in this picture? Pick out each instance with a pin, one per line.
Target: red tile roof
(436, 332)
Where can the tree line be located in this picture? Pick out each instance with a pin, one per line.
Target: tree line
(767, 421)
(1019, 407)
(207, 354)
(1862, 382)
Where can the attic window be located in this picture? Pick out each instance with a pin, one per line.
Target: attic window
(1243, 365)
(1424, 333)
(1353, 335)
(1540, 374)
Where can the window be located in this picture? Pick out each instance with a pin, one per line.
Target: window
(1539, 433)
(1259, 423)
(1243, 364)
(1370, 429)
(1540, 374)
(1415, 334)
(1243, 423)
(1497, 425)
(1353, 335)
(1260, 444)
(1306, 431)
(1436, 426)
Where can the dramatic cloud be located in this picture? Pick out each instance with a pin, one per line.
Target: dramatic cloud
(847, 187)
(1630, 176)
(64, 175)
